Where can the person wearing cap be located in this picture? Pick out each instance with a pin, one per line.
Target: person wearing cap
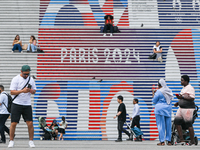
(21, 87)
(54, 128)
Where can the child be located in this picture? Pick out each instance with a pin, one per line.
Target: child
(63, 126)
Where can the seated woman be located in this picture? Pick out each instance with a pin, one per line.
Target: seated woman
(54, 128)
(108, 25)
(158, 50)
(17, 44)
(32, 44)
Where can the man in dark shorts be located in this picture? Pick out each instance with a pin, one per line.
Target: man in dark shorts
(121, 114)
(22, 103)
(186, 109)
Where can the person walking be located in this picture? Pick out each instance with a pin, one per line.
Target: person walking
(4, 114)
(136, 118)
(162, 99)
(121, 114)
(21, 87)
(186, 109)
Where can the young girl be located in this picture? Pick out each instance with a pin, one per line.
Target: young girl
(32, 44)
(63, 126)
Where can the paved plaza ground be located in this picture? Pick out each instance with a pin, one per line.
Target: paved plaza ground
(94, 145)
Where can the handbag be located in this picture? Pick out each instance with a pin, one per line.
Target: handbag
(137, 131)
(153, 56)
(25, 46)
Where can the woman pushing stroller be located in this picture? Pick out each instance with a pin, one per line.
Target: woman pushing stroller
(186, 109)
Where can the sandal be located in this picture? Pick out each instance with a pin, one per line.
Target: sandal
(169, 143)
(161, 144)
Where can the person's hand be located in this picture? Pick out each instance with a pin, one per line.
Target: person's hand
(26, 90)
(32, 91)
(131, 118)
(114, 117)
(176, 104)
(154, 91)
(179, 96)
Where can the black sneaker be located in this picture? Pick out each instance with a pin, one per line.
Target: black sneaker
(118, 140)
(130, 139)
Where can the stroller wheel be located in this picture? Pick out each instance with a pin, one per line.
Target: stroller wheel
(195, 140)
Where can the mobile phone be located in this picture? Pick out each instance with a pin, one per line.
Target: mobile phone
(177, 94)
(29, 86)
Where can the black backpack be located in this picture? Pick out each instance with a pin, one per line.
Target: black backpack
(10, 100)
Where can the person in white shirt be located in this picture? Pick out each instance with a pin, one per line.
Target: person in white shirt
(4, 114)
(62, 127)
(158, 50)
(22, 85)
(136, 118)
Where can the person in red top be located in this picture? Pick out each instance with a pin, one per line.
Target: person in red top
(108, 25)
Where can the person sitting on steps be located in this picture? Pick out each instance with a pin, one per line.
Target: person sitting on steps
(108, 25)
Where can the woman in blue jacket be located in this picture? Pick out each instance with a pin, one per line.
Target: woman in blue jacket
(162, 99)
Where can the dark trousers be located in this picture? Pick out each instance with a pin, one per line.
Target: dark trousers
(108, 27)
(136, 122)
(3, 127)
(120, 129)
(17, 47)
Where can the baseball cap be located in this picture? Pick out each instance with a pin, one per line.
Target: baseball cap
(54, 121)
(26, 68)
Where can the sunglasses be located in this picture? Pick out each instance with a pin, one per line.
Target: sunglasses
(26, 74)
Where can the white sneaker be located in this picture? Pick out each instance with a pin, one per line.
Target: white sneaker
(11, 144)
(21, 51)
(31, 144)
(111, 34)
(104, 34)
(12, 52)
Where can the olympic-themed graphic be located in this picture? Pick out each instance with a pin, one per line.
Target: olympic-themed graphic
(95, 70)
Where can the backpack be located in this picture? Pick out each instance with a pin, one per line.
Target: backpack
(10, 100)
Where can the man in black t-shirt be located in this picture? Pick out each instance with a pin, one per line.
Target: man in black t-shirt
(121, 114)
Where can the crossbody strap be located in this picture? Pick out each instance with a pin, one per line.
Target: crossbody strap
(22, 88)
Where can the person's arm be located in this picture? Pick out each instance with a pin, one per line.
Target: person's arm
(20, 43)
(34, 42)
(160, 51)
(188, 98)
(119, 113)
(66, 126)
(155, 97)
(105, 22)
(1, 99)
(15, 42)
(111, 22)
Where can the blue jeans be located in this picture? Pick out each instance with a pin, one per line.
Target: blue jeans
(3, 127)
(33, 47)
(17, 47)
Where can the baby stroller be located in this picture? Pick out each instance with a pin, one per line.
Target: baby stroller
(186, 136)
(47, 132)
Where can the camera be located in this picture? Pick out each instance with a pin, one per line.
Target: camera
(29, 86)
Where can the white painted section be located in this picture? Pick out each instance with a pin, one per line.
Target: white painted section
(139, 10)
(83, 110)
(111, 124)
(52, 109)
(172, 70)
